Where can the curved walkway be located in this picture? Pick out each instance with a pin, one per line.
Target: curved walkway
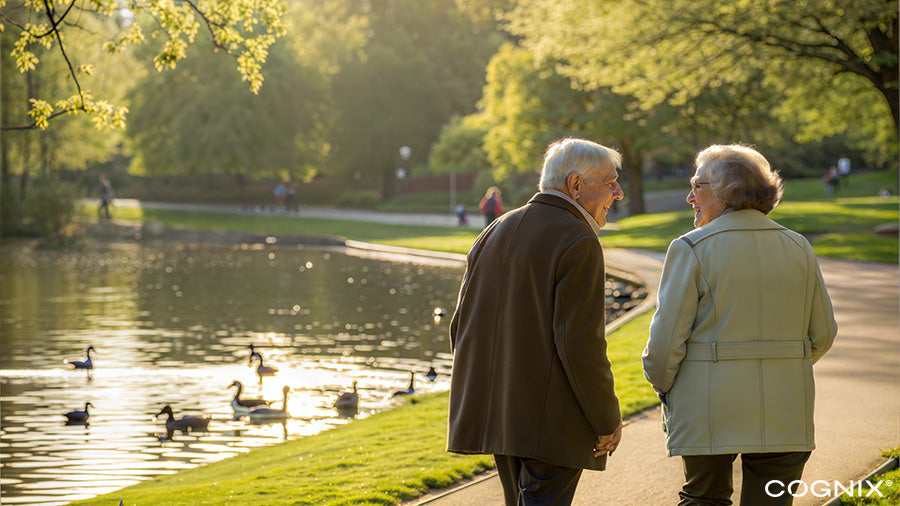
(857, 402)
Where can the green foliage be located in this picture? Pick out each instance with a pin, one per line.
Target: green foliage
(197, 120)
(460, 147)
(829, 65)
(423, 63)
(360, 199)
(242, 28)
(10, 210)
(48, 211)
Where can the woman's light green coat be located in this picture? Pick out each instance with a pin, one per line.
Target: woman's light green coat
(743, 314)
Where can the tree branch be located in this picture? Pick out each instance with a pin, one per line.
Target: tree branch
(34, 125)
(209, 26)
(54, 24)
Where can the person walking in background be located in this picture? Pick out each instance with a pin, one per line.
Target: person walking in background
(531, 381)
(742, 316)
(843, 168)
(830, 179)
(106, 195)
(290, 196)
(461, 218)
(279, 193)
(491, 205)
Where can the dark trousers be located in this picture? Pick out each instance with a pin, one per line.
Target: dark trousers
(531, 482)
(708, 478)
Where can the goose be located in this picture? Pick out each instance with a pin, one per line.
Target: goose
(82, 364)
(272, 413)
(185, 423)
(348, 400)
(253, 354)
(410, 389)
(79, 416)
(243, 406)
(264, 370)
(431, 374)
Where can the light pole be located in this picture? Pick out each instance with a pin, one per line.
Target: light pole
(405, 153)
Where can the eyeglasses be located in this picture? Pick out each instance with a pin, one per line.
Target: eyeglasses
(695, 185)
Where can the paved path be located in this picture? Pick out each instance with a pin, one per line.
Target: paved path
(857, 403)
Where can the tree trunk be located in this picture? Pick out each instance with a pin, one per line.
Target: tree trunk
(632, 162)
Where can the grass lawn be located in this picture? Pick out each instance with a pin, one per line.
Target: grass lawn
(889, 489)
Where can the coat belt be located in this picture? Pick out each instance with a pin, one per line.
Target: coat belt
(748, 350)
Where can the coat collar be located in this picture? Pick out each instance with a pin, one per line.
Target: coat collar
(743, 219)
(569, 205)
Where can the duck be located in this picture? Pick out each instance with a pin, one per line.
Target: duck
(185, 423)
(253, 354)
(82, 364)
(79, 416)
(348, 400)
(272, 413)
(411, 388)
(431, 374)
(243, 406)
(264, 370)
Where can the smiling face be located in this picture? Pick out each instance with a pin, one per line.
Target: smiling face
(595, 191)
(707, 206)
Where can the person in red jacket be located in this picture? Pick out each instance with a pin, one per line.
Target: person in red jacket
(491, 205)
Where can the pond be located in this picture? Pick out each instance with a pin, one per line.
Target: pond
(170, 324)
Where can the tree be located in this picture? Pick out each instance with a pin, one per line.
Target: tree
(242, 28)
(674, 50)
(195, 120)
(422, 63)
(528, 105)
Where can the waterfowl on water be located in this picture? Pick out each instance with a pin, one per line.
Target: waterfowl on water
(411, 388)
(243, 406)
(264, 370)
(253, 354)
(79, 416)
(272, 413)
(348, 400)
(82, 364)
(185, 423)
(431, 374)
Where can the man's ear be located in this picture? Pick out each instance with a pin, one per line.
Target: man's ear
(573, 185)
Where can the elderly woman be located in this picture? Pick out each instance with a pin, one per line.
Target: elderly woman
(742, 316)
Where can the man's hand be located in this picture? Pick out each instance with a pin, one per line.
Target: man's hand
(608, 444)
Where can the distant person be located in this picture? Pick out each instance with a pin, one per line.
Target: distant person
(279, 193)
(531, 381)
(290, 196)
(843, 167)
(106, 195)
(461, 217)
(742, 315)
(830, 180)
(491, 205)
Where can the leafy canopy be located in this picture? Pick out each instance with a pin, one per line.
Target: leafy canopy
(244, 29)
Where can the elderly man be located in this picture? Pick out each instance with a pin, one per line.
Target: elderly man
(531, 381)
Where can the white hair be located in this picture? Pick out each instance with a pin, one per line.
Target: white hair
(568, 156)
